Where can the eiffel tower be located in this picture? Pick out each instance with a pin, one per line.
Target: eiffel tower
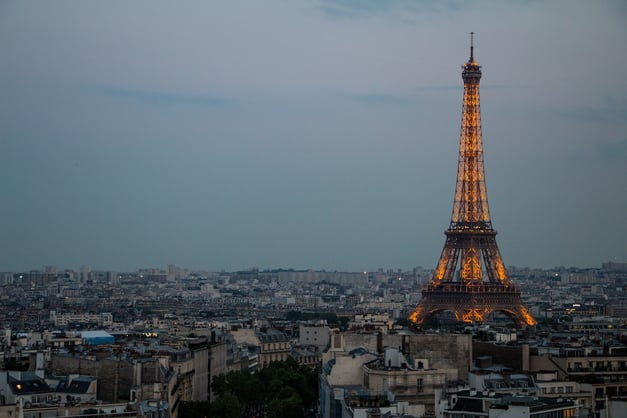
(482, 284)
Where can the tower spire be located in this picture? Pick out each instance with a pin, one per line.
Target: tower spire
(472, 48)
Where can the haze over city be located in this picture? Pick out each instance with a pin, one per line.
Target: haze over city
(305, 134)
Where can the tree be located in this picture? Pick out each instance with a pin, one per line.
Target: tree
(194, 409)
(227, 406)
(283, 389)
(285, 408)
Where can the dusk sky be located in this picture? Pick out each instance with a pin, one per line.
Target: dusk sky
(306, 134)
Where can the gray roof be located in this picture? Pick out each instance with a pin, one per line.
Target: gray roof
(77, 385)
(271, 336)
(27, 384)
(468, 404)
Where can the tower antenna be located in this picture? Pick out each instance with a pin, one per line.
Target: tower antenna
(471, 47)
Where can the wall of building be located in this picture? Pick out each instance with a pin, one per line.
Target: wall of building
(514, 356)
(415, 386)
(538, 363)
(373, 342)
(217, 363)
(115, 377)
(201, 376)
(617, 408)
(450, 353)
(313, 335)
(245, 336)
(8, 411)
(348, 370)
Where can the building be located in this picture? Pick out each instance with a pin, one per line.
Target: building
(414, 383)
(601, 371)
(273, 346)
(104, 319)
(390, 373)
(470, 404)
(316, 335)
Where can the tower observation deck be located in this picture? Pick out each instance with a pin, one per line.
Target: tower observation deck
(481, 285)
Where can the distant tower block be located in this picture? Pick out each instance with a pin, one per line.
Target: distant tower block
(481, 285)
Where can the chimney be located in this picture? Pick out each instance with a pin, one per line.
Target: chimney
(39, 364)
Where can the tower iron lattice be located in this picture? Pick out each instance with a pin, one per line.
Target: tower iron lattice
(482, 284)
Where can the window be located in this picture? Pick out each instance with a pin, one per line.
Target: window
(419, 385)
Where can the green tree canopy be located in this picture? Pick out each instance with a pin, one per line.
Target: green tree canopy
(283, 389)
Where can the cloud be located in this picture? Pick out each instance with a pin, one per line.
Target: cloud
(158, 98)
(360, 8)
(386, 99)
(411, 97)
(450, 87)
(611, 110)
(460, 87)
(613, 150)
(415, 92)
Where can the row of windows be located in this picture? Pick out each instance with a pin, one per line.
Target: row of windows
(565, 413)
(558, 389)
(274, 357)
(273, 346)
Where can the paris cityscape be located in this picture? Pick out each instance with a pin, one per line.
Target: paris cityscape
(228, 141)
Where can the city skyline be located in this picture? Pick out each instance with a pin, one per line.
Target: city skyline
(316, 134)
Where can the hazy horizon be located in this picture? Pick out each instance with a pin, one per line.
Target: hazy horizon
(384, 269)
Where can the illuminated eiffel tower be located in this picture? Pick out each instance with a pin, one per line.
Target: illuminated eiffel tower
(481, 285)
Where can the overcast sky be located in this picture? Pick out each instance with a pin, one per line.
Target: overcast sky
(306, 134)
